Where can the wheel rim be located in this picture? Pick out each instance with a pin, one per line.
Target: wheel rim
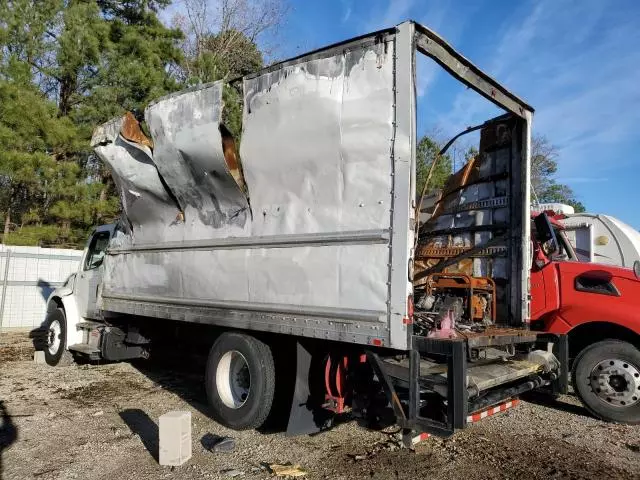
(54, 337)
(616, 382)
(233, 379)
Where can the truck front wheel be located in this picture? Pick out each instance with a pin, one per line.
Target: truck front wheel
(240, 381)
(55, 331)
(606, 377)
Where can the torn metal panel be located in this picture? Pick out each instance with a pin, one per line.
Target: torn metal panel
(189, 155)
(315, 166)
(316, 143)
(131, 131)
(147, 204)
(232, 158)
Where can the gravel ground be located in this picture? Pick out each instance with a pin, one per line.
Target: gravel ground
(100, 422)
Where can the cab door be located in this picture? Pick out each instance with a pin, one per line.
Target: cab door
(544, 286)
(90, 275)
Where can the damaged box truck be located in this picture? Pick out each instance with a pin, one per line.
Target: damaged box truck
(302, 240)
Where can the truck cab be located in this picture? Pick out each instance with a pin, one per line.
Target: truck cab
(72, 308)
(596, 306)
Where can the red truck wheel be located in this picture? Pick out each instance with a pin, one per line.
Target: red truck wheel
(240, 381)
(606, 377)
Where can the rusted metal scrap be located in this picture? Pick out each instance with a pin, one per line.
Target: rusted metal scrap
(131, 131)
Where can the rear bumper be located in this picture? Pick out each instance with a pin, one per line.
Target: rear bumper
(408, 391)
(410, 439)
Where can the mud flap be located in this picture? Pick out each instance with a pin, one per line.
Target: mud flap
(560, 349)
(306, 415)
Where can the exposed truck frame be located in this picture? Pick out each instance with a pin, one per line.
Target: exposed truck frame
(364, 335)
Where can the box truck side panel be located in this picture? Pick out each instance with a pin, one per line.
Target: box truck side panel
(303, 246)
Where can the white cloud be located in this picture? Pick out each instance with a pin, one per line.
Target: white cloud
(347, 8)
(578, 64)
(347, 14)
(396, 11)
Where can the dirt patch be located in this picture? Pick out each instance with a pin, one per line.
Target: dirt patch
(100, 422)
(386, 464)
(15, 346)
(15, 353)
(101, 392)
(501, 455)
(522, 455)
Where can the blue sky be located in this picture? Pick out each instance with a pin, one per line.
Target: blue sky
(577, 62)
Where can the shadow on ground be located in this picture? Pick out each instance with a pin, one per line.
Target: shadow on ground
(549, 401)
(142, 425)
(182, 373)
(8, 431)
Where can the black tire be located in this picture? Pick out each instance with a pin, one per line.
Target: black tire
(59, 356)
(584, 365)
(249, 410)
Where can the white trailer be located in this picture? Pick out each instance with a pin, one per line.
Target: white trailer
(602, 239)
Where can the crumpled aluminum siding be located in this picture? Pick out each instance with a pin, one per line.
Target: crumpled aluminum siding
(316, 155)
(189, 156)
(145, 201)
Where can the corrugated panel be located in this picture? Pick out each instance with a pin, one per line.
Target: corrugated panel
(33, 274)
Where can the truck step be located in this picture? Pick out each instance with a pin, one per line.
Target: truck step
(88, 325)
(480, 376)
(87, 350)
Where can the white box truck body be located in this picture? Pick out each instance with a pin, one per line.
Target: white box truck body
(306, 235)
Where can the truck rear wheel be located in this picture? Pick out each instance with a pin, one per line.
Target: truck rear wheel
(240, 381)
(606, 377)
(55, 343)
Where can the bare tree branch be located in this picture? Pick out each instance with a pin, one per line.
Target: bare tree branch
(221, 29)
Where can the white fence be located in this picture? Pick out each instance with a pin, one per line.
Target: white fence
(27, 276)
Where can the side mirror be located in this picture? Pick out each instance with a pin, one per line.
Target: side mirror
(545, 234)
(636, 269)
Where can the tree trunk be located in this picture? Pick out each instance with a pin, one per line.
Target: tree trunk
(7, 222)
(67, 88)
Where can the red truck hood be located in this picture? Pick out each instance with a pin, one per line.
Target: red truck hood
(614, 300)
(616, 271)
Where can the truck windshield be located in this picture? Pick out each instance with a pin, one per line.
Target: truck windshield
(97, 248)
(565, 249)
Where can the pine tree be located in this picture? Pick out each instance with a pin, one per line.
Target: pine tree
(34, 171)
(66, 66)
(426, 151)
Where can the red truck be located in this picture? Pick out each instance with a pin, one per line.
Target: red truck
(596, 306)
